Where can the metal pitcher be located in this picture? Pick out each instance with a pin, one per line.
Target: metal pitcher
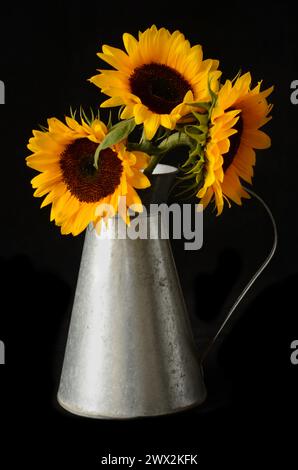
(130, 350)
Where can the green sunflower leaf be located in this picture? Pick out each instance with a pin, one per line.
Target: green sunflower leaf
(213, 98)
(200, 104)
(202, 118)
(91, 114)
(84, 116)
(118, 132)
(110, 124)
(120, 112)
(73, 113)
(192, 130)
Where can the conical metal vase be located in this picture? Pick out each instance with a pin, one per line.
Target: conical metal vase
(130, 350)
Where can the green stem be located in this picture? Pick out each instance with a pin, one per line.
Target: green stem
(155, 159)
(158, 152)
(174, 140)
(170, 143)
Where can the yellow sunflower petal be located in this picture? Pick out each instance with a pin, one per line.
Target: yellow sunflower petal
(114, 101)
(133, 199)
(167, 121)
(55, 125)
(141, 113)
(128, 112)
(138, 180)
(46, 178)
(57, 212)
(257, 139)
(142, 159)
(42, 161)
(151, 125)
(55, 193)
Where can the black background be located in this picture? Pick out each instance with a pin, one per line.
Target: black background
(47, 52)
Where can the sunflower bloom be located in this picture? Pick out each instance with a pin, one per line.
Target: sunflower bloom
(63, 154)
(155, 79)
(234, 135)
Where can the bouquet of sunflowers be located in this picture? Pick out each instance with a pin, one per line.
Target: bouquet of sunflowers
(168, 96)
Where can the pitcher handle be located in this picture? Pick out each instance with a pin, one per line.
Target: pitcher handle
(252, 280)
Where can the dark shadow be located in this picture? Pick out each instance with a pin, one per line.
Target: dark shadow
(256, 354)
(212, 290)
(33, 306)
(249, 370)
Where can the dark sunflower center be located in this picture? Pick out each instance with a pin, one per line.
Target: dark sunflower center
(159, 87)
(235, 141)
(80, 176)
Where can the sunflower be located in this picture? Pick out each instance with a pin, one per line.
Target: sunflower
(155, 79)
(79, 193)
(234, 135)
